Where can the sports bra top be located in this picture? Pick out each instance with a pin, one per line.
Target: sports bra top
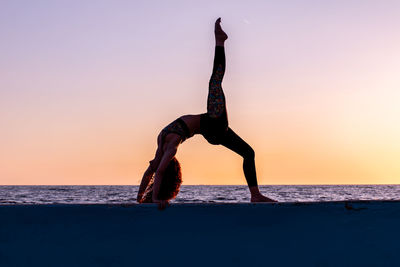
(179, 127)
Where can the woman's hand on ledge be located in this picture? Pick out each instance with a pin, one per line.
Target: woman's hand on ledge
(139, 197)
(162, 204)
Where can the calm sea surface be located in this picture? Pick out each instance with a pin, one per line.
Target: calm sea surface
(195, 193)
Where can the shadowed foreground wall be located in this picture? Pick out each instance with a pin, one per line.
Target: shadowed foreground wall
(359, 233)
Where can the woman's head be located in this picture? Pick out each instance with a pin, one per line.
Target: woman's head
(170, 183)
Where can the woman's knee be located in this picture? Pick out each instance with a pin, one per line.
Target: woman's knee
(248, 153)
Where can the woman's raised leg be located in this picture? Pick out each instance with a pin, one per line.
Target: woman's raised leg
(216, 99)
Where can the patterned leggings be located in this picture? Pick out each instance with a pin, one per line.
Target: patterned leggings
(216, 99)
(214, 123)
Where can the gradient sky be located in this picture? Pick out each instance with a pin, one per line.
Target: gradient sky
(86, 86)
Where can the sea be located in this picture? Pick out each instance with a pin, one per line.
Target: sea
(112, 194)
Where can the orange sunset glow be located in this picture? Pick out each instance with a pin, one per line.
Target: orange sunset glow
(86, 88)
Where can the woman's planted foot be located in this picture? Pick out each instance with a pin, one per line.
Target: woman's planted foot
(261, 198)
(220, 35)
(256, 195)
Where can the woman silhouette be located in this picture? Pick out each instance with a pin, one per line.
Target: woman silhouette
(213, 125)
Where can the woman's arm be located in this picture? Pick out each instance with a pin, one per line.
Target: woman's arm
(149, 172)
(166, 158)
(145, 181)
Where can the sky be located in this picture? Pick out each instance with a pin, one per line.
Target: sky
(86, 87)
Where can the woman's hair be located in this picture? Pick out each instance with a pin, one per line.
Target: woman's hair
(170, 183)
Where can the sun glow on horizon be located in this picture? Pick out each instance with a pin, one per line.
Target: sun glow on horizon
(85, 89)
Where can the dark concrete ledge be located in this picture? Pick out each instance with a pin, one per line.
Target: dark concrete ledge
(339, 233)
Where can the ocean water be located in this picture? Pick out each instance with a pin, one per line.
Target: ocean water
(195, 193)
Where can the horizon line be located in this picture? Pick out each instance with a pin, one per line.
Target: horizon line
(185, 184)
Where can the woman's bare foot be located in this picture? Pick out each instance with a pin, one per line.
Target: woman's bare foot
(256, 195)
(261, 198)
(220, 35)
